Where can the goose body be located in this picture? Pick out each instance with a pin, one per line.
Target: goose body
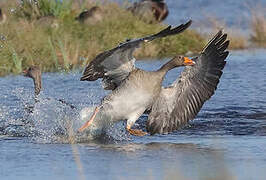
(132, 98)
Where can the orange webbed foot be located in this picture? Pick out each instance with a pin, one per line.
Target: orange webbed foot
(136, 132)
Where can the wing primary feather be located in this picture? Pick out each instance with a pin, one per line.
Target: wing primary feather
(168, 31)
(213, 40)
(224, 46)
(221, 40)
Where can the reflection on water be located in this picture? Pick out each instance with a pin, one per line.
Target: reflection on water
(227, 136)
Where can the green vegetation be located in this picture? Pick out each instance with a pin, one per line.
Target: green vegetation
(47, 34)
(31, 9)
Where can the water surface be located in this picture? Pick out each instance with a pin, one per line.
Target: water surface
(225, 141)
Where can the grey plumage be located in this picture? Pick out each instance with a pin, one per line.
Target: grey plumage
(181, 102)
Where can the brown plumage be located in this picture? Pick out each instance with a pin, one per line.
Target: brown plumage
(35, 74)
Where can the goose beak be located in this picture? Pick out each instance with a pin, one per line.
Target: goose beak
(188, 62)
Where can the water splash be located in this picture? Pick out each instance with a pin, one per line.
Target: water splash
(50, 121)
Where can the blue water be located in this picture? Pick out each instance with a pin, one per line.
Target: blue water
(232, 13)
(225, 141)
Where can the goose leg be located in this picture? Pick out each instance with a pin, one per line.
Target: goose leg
(131, 121)
(88, 123)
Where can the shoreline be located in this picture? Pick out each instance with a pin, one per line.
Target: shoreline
(58, 42)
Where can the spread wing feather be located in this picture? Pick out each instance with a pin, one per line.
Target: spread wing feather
(181, 102)
(115, 65)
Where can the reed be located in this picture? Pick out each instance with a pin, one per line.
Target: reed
(53, 53)
(17, 61)
(258, 26)
(237, 39)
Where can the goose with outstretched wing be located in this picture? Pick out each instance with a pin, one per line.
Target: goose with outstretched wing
(133, 90)
(181, 102)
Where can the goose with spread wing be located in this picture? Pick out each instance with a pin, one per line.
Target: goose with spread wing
(135, 90)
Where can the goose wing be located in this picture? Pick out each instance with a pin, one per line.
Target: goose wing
(181, 102)
(115, 65)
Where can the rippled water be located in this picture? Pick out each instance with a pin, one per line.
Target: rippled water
(225, 141)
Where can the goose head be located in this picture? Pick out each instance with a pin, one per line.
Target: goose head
(181, 61)
(32, 72)
(177, 61)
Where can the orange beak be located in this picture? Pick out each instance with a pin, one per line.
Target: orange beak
(188, 62)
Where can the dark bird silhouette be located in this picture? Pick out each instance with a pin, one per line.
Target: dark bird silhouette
(150, 10)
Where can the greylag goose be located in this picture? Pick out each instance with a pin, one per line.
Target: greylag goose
(35, 73)
(133, 90)
(150, 10)
(136, 90)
